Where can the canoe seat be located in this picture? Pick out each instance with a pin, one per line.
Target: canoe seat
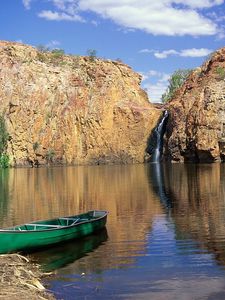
(71, 221)
(43, 225)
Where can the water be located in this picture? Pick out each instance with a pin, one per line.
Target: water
(165, 236)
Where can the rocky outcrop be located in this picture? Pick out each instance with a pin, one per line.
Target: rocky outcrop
(70, 109)
(196, 129)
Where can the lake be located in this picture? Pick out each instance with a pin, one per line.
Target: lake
(165, 235)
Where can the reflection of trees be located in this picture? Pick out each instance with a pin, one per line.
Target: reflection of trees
(4, 193)
(197, 193)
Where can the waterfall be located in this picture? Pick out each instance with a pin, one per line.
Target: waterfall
(158, 137)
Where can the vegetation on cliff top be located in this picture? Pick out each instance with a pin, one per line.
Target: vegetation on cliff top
(175, 82)
(55, 56)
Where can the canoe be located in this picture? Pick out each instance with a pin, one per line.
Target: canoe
(35, 235)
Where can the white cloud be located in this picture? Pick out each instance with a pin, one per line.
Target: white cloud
(161, 17)
(59, 16)
(155, 91)
(193, 52)
(53, 44)
(199, 3)
(155, 83)
(165, 54)
(26, 3)
(155, 17)
(146, 51)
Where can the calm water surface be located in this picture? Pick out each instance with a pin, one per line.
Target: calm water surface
(165, 236)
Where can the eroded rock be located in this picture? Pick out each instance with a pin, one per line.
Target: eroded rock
(71, 109)
(196, 129)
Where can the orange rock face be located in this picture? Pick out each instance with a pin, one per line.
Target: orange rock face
(196, 129)
(70, 109)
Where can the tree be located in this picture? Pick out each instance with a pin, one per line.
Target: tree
(92, 54)
(42, 48)
(4, 137)
(175, 82)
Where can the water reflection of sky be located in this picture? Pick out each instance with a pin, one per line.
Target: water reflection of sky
(167, 269)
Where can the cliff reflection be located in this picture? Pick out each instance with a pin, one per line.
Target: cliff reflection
(197, 203)
(122, 190)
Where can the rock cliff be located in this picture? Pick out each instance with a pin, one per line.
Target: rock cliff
(196, 128)
(72, 109)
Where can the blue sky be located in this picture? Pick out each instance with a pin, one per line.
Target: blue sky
(154, 37)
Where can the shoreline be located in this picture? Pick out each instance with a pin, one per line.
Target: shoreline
(21, 279)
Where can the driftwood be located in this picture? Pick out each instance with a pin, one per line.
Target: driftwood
(21, 279)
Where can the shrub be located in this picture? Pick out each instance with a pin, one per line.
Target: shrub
(4, 161)
(92, 54)
(35, 146)
(4, 136)
(42, 53)
(56, 56)
(220, 73)
(42, 48)
(175, 82)
(57, 53)
(50, 155)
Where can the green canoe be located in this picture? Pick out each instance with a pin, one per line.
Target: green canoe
(32, 236)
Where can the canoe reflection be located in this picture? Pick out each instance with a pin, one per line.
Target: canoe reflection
(61, 255)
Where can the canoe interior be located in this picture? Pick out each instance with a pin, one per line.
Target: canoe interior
(58, 223)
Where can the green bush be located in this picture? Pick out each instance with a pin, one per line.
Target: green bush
(220, 73)
(42, 48)
(57, 53)
(4, 136)
(56, 56)
(35, 146)
(175, 82)
(50, 155)
(4, 161)
(92, 54)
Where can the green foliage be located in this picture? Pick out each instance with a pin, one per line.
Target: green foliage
(35, 146)
(57, 53)
(220, 73)
(92, 54)
(54, 56)
(42, 48)
(42, 53)
(175, 82)
(50, 155)
(57, 56)
(4, 136)
(4, 161)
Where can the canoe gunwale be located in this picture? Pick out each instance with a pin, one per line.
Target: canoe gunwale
(54, 227)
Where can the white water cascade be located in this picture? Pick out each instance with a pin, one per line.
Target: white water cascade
(158, 137)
